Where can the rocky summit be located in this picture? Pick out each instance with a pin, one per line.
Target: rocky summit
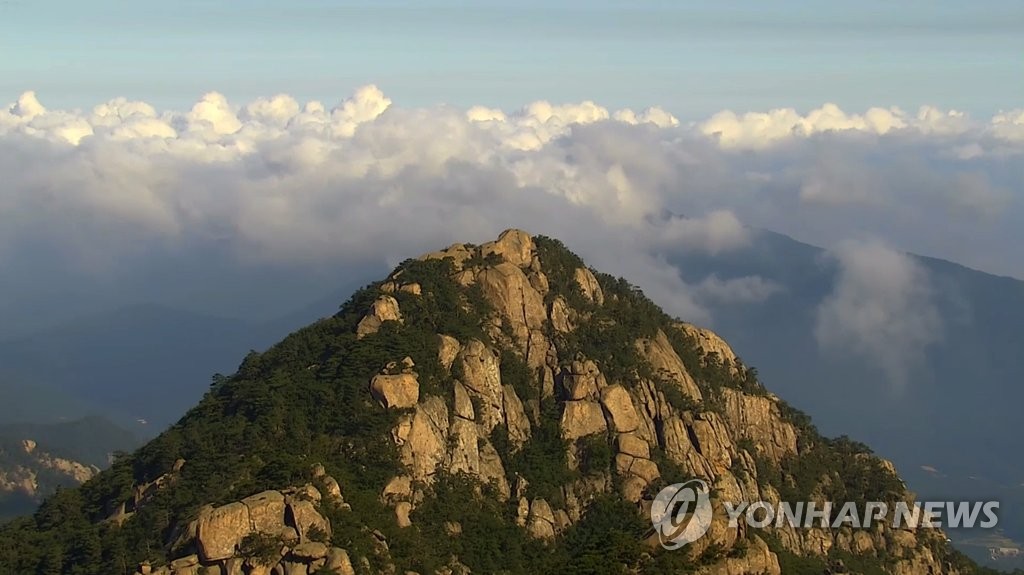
(495, 408)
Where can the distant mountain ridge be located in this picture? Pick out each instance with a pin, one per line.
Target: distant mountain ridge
(36, 459)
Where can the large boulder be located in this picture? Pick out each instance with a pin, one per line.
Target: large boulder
(220, 530)
(399, 391)
(522, 511)
(310, 551)
(306, 518)
(385, 308)
(397, 489)
(338, 562)
(402, 511)
(645, 469)
(582, 380)
(582, 418)
(631, 444)
(621, 412)
(332, 490)
(514, 246)
(266, 512)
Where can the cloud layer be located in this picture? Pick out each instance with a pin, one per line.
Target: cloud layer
(881, 309)
(128, 202)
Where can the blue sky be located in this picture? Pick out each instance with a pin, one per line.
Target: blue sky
(693, 58)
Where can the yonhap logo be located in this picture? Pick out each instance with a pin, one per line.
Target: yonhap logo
(681, 513)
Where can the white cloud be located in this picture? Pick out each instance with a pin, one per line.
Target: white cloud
(366, 105)
(759, 130)
(484, 114)
(881, 309)
(277, 181)
(717, 232)
(932, 120)
(834, 180)
(213, 112)
(655, 116)
(1009, 125)
(276, 111)
(713, 290)
(28, 106)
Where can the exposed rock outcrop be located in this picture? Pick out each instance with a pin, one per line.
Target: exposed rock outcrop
(561, 316)
(582, 380)
(515, 417)
(447, 351)
(710, 343)
(757, 418)
(622, 416)
(514, 246)
(756, 558)
(221, 530)
(22, 475)
(457, 253)
(385, 308)
(541, 521)
(399, 391)
(589, 285)
(424, 447)
(290, 521)
(463, 404)
(482, 378)
(582, 418)
(667, 364)
(520, 306)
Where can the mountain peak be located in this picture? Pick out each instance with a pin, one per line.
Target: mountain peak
(499, 407)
